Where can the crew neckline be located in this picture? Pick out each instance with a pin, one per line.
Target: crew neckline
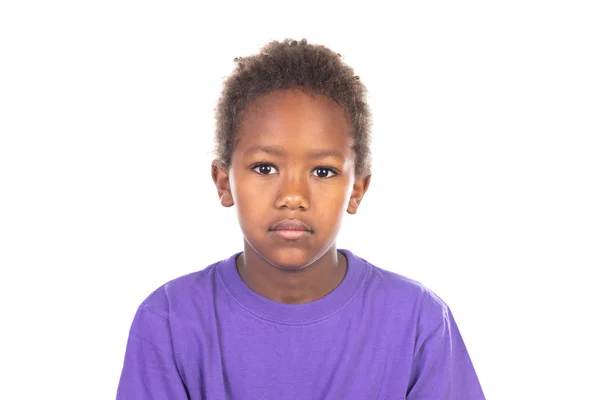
(294, 314)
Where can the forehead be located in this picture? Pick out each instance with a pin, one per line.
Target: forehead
(296, 121)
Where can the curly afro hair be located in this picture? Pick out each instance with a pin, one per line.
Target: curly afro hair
(293, 64)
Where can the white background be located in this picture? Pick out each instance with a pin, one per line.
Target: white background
(486, 179)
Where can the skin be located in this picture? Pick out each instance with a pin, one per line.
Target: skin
(268, 186)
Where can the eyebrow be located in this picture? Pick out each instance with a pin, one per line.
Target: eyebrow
(277, 151)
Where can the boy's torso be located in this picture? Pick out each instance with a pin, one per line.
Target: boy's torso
(363, 350)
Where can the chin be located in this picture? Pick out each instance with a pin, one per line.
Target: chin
(289, 258)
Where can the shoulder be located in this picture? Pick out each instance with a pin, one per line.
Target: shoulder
(399, 294)
(176, 305)
(175, 295)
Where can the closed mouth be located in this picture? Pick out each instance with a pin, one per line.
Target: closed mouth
(290, 225)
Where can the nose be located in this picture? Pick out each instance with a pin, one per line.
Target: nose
(293, 193)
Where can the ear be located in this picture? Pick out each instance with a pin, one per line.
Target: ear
(220, 176)
(358, 192)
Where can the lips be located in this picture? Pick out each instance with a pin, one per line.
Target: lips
(291, 225)
(291, 230)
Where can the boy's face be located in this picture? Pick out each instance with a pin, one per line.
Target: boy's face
(293, 161)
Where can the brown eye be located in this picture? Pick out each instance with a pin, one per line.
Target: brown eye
(323, 172)
(264, 169)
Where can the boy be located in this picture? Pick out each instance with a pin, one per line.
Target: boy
(292, 316)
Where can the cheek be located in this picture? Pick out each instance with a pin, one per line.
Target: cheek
(252, 197)
(248, 189)
(332, 200)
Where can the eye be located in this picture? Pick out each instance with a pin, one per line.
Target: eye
(264, 169)
(322, 172)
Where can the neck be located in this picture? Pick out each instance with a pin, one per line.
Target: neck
(298, 286)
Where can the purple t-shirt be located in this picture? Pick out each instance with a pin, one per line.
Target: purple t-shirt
(378, 335)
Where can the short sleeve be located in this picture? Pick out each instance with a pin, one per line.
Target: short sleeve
(149, 370)
(442, 368)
